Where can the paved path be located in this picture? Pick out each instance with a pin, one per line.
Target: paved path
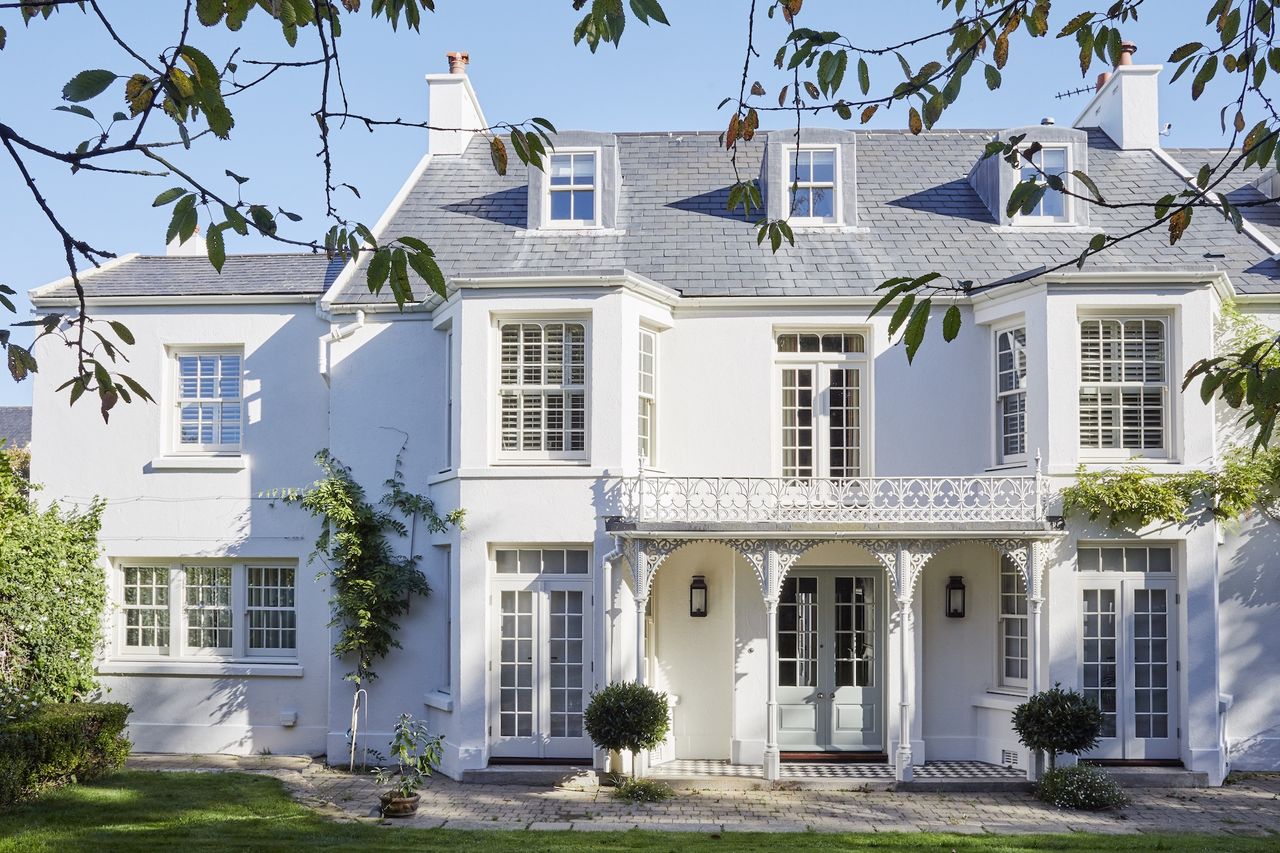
(1251, 805)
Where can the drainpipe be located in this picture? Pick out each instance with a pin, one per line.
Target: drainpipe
(335, 333)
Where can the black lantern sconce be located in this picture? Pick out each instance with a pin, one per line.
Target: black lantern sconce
(698, 596)
(955, 597)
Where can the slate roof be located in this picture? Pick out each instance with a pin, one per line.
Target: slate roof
(1240, 189)
(256, 275)
(15, 425)
(916, 212)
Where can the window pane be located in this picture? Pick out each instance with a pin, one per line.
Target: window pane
(561, 169)
(584, 169)
(584, 202)
(561, 205)
(824, 166)
(823, 204)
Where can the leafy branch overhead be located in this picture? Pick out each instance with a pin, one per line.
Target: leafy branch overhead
(144, 110)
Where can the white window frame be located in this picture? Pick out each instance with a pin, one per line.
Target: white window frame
(647, 400)
(503, 389)
(596, 189)
(178, 648)
(1165, 387)
(1003, 458)
(1068, 208)
(819, 362)
(837, 211)
(1011, 609)
(176, 446)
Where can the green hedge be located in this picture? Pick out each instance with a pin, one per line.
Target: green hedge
(58, 744)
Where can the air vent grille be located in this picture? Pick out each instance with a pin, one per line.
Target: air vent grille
(1008, 758)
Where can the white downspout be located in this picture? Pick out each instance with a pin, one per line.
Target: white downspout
(335, 333)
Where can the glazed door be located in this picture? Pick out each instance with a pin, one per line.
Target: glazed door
(830, 669)
(1128, 665)
(541, 669)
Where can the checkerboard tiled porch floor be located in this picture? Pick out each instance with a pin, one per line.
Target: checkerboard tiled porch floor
(854, 771)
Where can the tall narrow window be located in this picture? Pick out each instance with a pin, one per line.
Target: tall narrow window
(647, 408)
(572, 188)
(823, 376)
(208, 607)
(542, 389)
(1052, 206)
(1124, 387)
(146, 609)
(1013, 626)
(1011, 394)
(208, 401)
(273, 621)
(813, 185)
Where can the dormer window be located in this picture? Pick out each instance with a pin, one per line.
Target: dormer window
(813, 186)
(1053, 206)
(574, 180)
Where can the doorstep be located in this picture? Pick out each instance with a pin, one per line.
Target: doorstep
(535, 776)
(1157, 777)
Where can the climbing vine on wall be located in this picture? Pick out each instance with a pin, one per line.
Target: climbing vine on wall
(373, 585)
(1135, 497)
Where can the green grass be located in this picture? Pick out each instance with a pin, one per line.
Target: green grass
(232, 811)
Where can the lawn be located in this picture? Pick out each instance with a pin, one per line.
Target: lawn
(232, 811)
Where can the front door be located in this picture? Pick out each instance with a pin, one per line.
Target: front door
(1128, 661)
(540, 666)
(830, 664)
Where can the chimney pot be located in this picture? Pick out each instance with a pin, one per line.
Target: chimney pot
(1047, 120)
(1127, 50)
(1102, 79)
(458, 61)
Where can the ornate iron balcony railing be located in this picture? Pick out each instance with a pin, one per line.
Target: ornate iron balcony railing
(869, 500)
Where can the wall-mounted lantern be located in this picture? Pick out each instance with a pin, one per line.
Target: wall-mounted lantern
(955, 597)
(698, 596)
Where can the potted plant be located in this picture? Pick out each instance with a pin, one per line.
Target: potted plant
(1058, 721)
(415, 753)
(631, 716)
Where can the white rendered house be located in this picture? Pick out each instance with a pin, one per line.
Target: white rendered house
(688, 460)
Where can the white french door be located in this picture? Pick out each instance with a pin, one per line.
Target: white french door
(1129, 666)
(830, 665)
(822, 425)
(540, 668)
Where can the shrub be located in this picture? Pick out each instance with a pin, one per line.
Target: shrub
(643, 791)
(627, 715)
(415, 752)
(1058, 721)
(58, 744)
(1082, 787)
(52, 593)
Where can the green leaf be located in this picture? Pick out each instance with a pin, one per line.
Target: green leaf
(427, 268)
(400, 287)
(864, 76)
(1088, 183)
(993, 77)
(122, 331)
(379, 269)
(236, 220)
(901, 313)
(210, 12)
(416, 244)
(1203, 76)
(951, 323)
(914, 335)
(3, 38)
(77, 109)
(169, 195)
(217, 248)
(1185, 51)
(88, 84)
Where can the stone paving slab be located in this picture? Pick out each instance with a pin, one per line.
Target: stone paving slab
(1250, 805)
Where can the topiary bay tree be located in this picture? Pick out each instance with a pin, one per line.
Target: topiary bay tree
(627, 715)
(1058, 721)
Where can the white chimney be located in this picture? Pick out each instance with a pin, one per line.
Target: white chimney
(453, 111)
(1126, 105)
(193, 247)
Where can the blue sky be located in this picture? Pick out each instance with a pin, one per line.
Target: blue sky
(523, 64)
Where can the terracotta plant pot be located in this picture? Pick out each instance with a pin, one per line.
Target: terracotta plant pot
(396, 806)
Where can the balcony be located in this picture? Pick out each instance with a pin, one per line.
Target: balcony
(986, 502)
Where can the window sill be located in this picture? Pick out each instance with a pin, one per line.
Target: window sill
(439, 700)
(576, 230)
(1008, 466)
(213, 669)
(199, 463)
(534, 470)
(999, 699)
